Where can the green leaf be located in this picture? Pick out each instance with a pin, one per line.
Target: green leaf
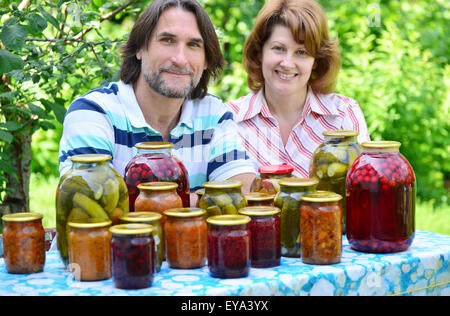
(6, 136)
(13, 36)
(46, 125)
(9, 62)
(36, 24)
(11, 126)
(58, 109)
(50, 18)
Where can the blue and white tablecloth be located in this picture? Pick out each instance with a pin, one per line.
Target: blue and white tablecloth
(422, 270)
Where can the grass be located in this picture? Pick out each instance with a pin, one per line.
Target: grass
(42, 200)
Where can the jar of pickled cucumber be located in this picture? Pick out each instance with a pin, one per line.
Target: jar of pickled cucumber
(381, 199)
(331, 161)
(90, 189)
(288, 201)
(154, 161)
(222, 197)
(199, 194)
(259, 199)
(154, 219)
(269, 176)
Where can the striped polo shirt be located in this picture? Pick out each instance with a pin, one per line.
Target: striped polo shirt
(109, 120)
(260, 131)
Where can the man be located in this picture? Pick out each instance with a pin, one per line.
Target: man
(171, 54)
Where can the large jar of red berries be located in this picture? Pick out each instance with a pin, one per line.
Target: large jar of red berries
(155, 162)
(381, 195)
(269, 176)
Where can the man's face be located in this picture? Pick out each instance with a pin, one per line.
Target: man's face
(174, 60)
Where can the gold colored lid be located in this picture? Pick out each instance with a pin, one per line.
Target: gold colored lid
(136, 217)
(185, 212)
(259, 210)
(131, 229)
(157, 186)
(322, 196)
(228, 220)
(225, 184)
(298, 182)
(200, 191)
(340, 133)
(381, 144)
(90, 158)
(22, 217)
(259, 196)
(90, 223)
(154, 145)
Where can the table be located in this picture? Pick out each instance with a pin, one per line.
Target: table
(422, 270)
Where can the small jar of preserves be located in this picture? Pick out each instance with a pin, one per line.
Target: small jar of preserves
(89, 248)
(132, 253)
(222, 197)
(259, 199)
(288, 201)
(228, 246)
(186, 238)
(265, 246)
(269, 176)
(23, 243)
(154, 219)
(381, 199)
(321, 228)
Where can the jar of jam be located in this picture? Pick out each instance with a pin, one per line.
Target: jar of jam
(89, 248)
(259, 199)
(331, 161)
(228, 246)
(23, 243)
(222, 197)
(269, 176)
(154, 219)
(90, 189)
(186, 238)
(321, 228)
(132, 256)
(288, 201)
(265, 246)
(381, 199)
(155, 162)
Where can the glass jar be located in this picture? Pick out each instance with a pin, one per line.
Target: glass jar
(265, 246)
(268, 178)
(381, 199)
(259, 199)
(332, 160)
(154, 219)
(90, 189)
(222, 197)
(155, 162)
(321, 228)
(228, 246)
(89, 248)
(288, 201)
(132, 256)
(186, 238)
(23, 243)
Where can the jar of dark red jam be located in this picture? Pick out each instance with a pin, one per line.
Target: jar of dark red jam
(228, 246)
(132, 256)
(259, 199)
(381, 199)
(265, 246)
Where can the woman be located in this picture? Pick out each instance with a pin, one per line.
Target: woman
(292, 66)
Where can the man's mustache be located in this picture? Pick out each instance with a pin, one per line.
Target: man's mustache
(180, 71)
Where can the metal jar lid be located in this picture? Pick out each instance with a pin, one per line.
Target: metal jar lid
(138, 217)
(322, 196)
(157, 186)
(259, 210)
(131, 229)
(185, 212)
(22, 217)
(228, 220)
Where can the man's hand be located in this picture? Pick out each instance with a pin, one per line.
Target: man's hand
(246, 179)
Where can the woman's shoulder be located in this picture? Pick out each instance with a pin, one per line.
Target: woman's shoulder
(337, 101)
(241, 104)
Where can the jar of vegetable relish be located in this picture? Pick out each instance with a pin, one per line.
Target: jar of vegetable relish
(222, 197)
(381, 199)
(321, 228)
(155, 162)
(269, 176)
(265, 247)
(186, 238)
(89, 248)
(23, 243)
(259, 199)
(132, 253)
(154, 219)
(228, 246)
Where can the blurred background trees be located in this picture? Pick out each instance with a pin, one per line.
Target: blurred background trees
(395, 64)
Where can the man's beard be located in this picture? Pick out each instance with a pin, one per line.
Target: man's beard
(157, 83)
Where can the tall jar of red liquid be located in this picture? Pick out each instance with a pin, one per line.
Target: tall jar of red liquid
(155, 162)
(381, 198)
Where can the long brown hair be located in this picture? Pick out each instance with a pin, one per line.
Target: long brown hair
(307, 22)
(142, 31)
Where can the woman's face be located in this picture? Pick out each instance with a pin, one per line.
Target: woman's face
(286, 66)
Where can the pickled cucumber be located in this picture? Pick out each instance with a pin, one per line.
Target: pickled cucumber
(337, 169)
(110, 196)
(229, 210)
(90, 206)
(221, 200)
(213, 210)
